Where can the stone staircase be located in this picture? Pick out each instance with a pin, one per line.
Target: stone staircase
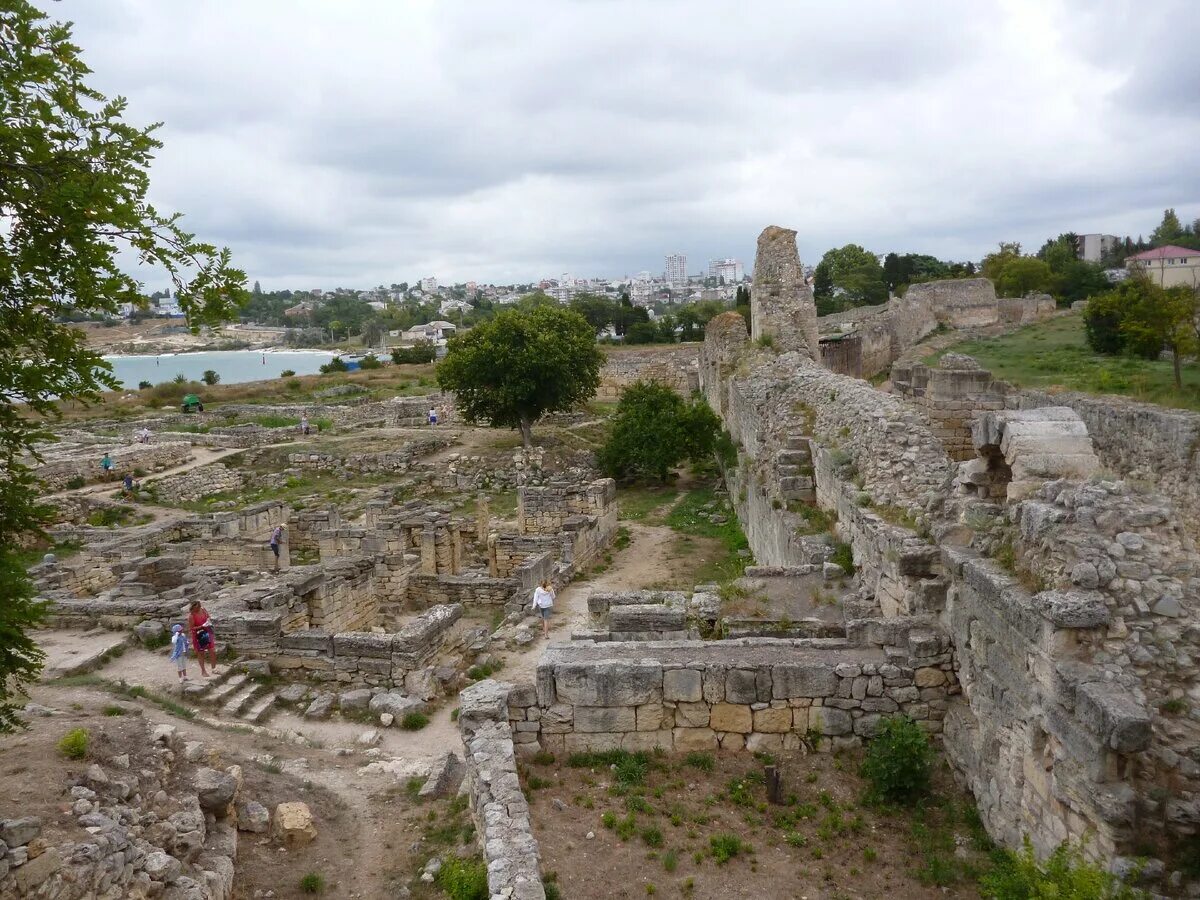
(234, 695)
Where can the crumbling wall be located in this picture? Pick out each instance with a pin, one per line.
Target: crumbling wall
(781, 302)
(189, 486)
(65, 462)
(673, 366)
(950, 395)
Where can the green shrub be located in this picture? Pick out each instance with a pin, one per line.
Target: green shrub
(654, 430)
(113, 711)
(628, 768)
(414, 721)
(652, 837)
(670, 860)
(898, 762)
(843, 556)
(142, 385)
(74, 744)
(463, 879)
(210, 377)
(1065, 874)
(370, 361)
(725, 847)
(287, 373)
(337, 364)
(423, 352)
(76, 481)
(550, 886)
(542, 758)
(312, 883)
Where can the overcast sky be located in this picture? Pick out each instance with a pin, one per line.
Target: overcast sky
(359, 142)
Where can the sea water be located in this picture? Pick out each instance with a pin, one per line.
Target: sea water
(234, 366)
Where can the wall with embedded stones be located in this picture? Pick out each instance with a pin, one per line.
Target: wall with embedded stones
(672, 365)
(189, 486)
(67, 461)
(1070, 664)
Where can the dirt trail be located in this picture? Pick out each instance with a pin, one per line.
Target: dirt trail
(204, 456)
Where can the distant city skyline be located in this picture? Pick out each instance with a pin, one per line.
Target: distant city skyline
(554, 149)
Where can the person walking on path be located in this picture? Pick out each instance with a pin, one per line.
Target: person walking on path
(276, 540)
(107, 465)
(304, 425)
(543, 602)
(204, 640)
(432, 416)
(179, 645)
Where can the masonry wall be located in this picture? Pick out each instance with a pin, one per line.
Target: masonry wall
(673, 365)
(66, 462)
(753, 694)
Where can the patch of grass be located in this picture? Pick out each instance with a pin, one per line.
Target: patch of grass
(702, 761)
(693, 516)
(670, 860)
(413, 786)
(637, 502)
(312, 883)
(74, 744)
(550, 886)
(537, 782)
(626, 827)
(1055, 354)
(725, 847)
(484, 670)
(463, 879)
(652, 837)
(621, 541)
(1066, 873)
(628, 768)
(843, 556)
(1176, 706)
(414, 721)
(114, 710)
(542, 758)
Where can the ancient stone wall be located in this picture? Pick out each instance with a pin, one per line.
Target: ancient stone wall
(398, 460)
(498, 805)
(66, 462)
(469, 590)
(950, 395)
(781, 302)
(546, 510)
(189, 486)
(671, 365)
(753, 694)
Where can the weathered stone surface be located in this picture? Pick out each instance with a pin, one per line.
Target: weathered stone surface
(830, 721)
(731, 717)
(253, 817)
(773, 721)
(394, 704)
(354, 700)
(683, 685)
(803, 681)
(609, 684)
(292, 825)
(605, 718)
(215, 789)
(19, 832)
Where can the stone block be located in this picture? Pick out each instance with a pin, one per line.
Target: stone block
(682, 685)
(830, 722)
(650, 717)
(773, 721)
(292, 825)
(609, 683)
(731, 717)
(605, 718)
(796, 680)
(688, 739)
(692, 715)
(741, 686)
(215, 789)
(929, 677)
(634, 741)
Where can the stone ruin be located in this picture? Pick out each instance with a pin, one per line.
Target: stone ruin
(1035, 614)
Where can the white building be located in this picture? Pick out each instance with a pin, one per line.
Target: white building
(729, 269)
(675, 270)
(453, 306)
(1092, 247)
(429, 285)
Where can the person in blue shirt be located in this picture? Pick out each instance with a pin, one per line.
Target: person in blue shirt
(179, 646)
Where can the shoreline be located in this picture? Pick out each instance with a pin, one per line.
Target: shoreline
(189, 352)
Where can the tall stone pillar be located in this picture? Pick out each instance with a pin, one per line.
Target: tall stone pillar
(428, 551)
(781, 302)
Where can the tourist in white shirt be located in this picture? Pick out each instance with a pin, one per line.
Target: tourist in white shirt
(543, 602)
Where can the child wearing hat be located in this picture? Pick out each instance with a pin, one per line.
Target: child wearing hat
(179, 645)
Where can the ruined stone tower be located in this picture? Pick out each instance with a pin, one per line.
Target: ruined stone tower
(781, 302)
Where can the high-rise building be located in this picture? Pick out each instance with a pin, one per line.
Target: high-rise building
(429, 285)
(676, 268)
(729, 269)
(1092, 247)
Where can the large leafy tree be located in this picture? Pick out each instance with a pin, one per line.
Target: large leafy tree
(522, 364)
(73, 183)
(848, 276)
(1142, 318)
(655, 430)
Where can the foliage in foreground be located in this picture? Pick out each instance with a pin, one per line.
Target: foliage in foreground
(1141, 318)
(511, 371)
(899, 761)
(74, 744)
(463, 879)
(72, 199)
(655, 430)
(1065, 875)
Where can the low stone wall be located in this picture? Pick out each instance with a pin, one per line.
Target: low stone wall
(498, 805)
(359, 657)
(673, 365)
(753, 694)
(950, 395)
(387, 461)
(189, 486)
(468, 590)
(66, 463)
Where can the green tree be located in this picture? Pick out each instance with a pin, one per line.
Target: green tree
(655, 430)
(1023, 275)
(1169, 230)
(1102, 321)
(1163, 318)
(521, 365)
(994, 262)
(211, 377)
(849, 276)
(73, 183)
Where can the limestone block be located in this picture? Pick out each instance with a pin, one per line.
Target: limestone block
(773, 721)
(650, 717)
(731, 717)
(293, 825)
(769, 743)
(830, 721)
(683, 685)
(605, 718)
(687, 739)
(609, 683)
(794, 680)
(741, 686)
(253, 817)
(635, 741)
(692, 715)
(215, 789)
(1112, 713)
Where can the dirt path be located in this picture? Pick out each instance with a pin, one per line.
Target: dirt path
(204, 456)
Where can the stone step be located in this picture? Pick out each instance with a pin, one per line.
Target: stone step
(235, 704)
(223, 690)
(261, 709)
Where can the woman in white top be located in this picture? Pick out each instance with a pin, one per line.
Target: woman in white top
(543, 602)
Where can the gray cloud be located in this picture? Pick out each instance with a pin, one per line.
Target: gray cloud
(365, 142)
